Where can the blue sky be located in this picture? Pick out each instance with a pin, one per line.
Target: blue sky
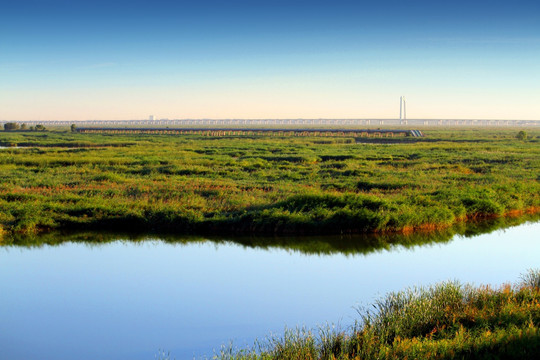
(268, 59)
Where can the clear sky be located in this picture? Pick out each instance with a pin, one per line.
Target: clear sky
(75, 60)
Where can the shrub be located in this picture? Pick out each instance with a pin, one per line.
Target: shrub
(522, 135)
(11, 126)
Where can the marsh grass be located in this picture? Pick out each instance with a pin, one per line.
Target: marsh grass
(272, 185)
(444, 321)
(531, 279)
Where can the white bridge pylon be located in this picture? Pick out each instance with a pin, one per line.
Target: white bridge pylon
(402, 110)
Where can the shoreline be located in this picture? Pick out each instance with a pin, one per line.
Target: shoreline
(446, 320)
(201, 229)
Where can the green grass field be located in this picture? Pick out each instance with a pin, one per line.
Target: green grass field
(288, 185)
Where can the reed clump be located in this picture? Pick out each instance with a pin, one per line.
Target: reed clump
(445, 321)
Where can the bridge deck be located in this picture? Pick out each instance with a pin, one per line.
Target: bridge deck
(254, 131)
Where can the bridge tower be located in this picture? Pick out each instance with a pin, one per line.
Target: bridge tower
(402, 111)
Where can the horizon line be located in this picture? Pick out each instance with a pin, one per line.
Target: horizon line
(273, 119)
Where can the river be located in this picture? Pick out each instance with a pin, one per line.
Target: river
(123, 299)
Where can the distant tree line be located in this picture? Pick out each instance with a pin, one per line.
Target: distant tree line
(13, 126)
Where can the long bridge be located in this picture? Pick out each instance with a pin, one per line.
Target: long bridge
(285, 122)
(253, 131)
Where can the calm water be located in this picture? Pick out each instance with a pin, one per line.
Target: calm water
(127, 300)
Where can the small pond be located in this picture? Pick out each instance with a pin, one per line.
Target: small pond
(96, 296)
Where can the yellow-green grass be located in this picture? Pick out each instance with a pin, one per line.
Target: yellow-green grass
(258, 184)
(445, 321)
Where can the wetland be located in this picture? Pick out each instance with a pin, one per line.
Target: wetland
(116, 246)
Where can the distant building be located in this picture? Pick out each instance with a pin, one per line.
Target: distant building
(151, 118)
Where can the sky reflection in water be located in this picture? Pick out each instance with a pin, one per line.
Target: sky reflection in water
(126, 300)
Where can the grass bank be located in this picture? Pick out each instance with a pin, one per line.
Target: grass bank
(264, 185)
(445, 321)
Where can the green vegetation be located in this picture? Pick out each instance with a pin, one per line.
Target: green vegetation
(445, 321)
(347, 244)
(11, 126)
(522, 135)
(259, 184)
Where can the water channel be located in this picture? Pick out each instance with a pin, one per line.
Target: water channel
(100, 296)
